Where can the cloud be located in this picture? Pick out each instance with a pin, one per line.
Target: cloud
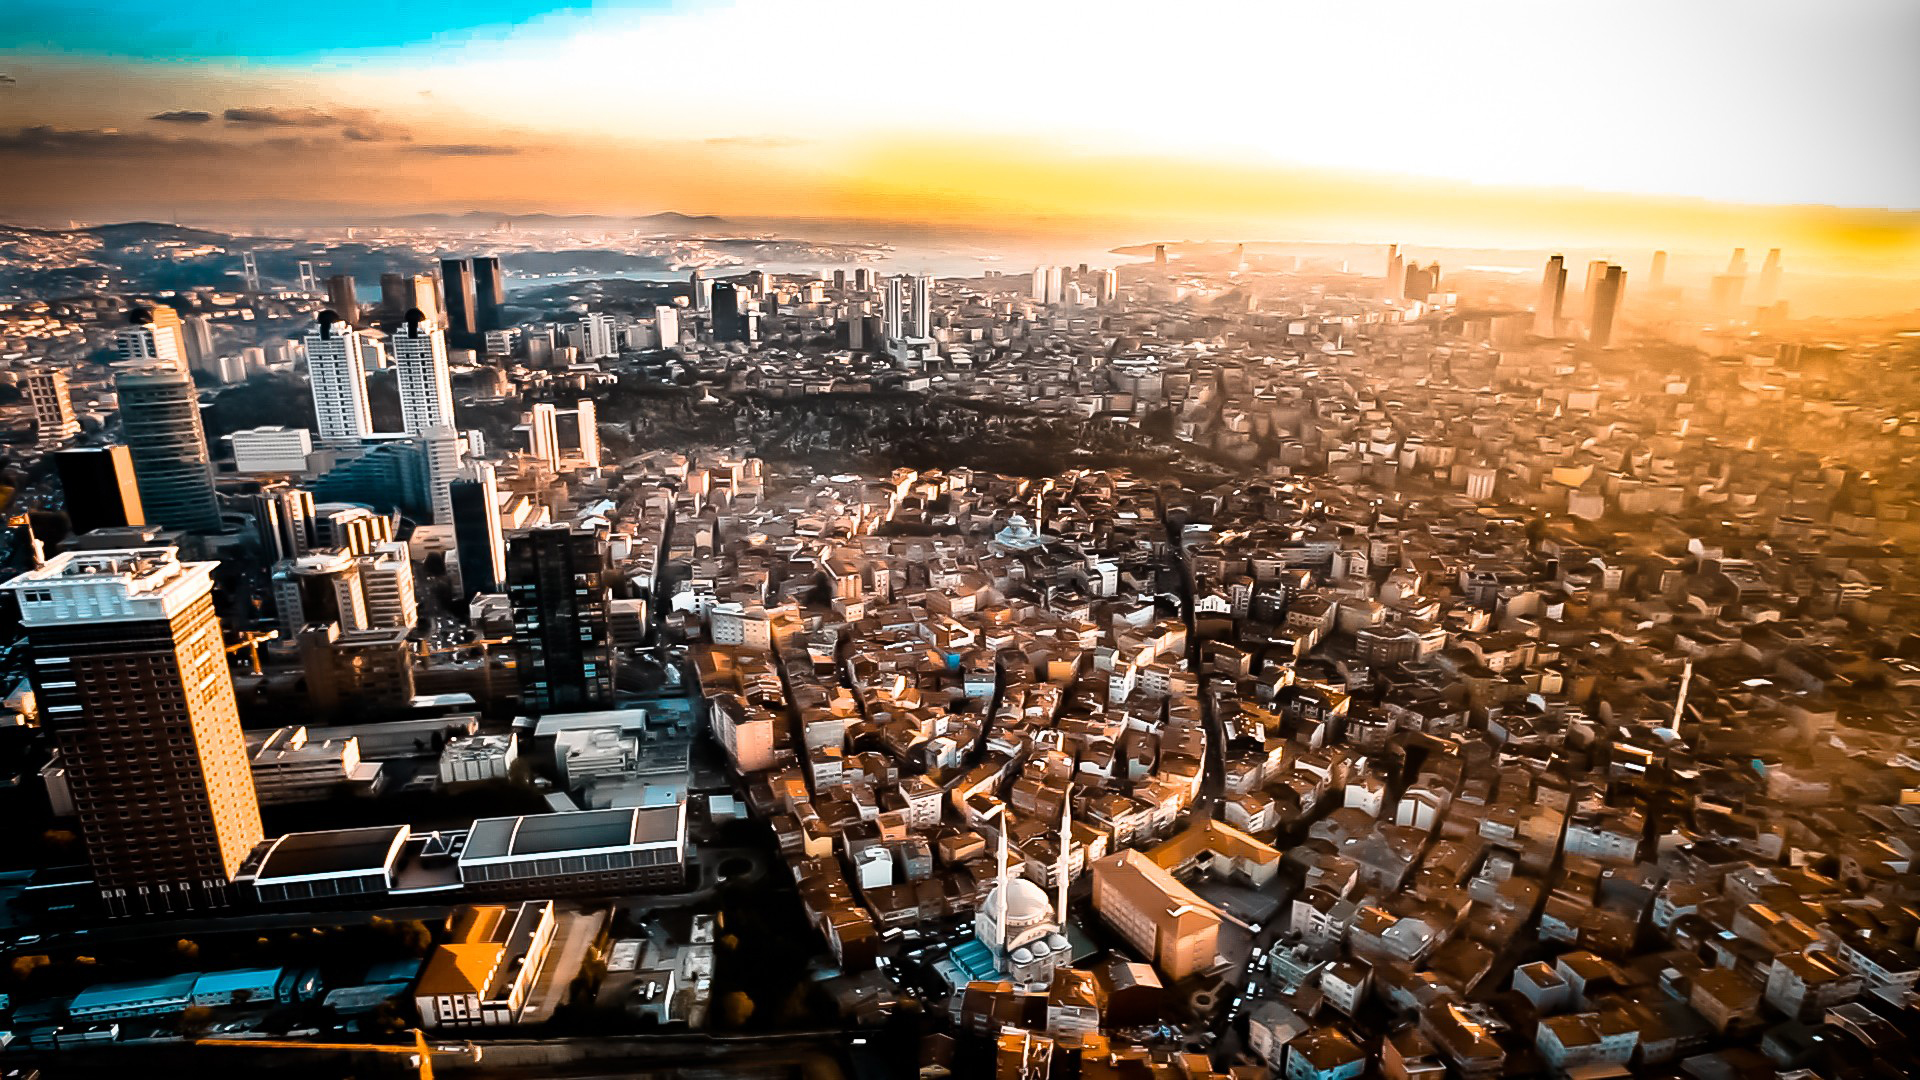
(463, 150)
(182, 116)
(374, 133)
(42, 138)
(272, 116)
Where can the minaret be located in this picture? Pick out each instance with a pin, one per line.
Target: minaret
(1680, 703)
(1060, 870)
(1000, 890)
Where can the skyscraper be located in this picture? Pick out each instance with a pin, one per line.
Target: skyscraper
(160, 414)
(896, 316)
(1606, 305)
(702, 291)
(420, 369)
(1769, 279)
(1553, 293)
(342, 298)
(99, 487)
(456, 279)
(666, 326)
(53, 419)
(444, 453)
(923, 306)
(476, 531)
(132, 683)
(283, 514)
(489, 295)
(543, 434)
(401, 293)
(1109, 285)
(730, 312)
(1657, 273)
(562, 635)
(152, 334)
(339, 382)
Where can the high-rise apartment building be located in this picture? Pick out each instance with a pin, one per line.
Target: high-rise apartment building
(339, 382)
(152, 334)
(562, 631)
(160, 418)
(131, 677)
(476, 531)
(420, 367)
(197, 331)
(99, 487)
(53, 418)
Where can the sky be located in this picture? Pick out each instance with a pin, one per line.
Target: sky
(1758, 122)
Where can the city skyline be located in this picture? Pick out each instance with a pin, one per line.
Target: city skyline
(1251, 122)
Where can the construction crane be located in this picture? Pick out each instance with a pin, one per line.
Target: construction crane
(250, 640)
(421, 1054)
(486, 661)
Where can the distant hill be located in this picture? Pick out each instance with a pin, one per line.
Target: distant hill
(129, 233)
(666, 219)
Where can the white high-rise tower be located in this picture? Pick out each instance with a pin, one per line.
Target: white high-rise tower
(896, 316)
(420, 367)
(339, 381)
(923, 306)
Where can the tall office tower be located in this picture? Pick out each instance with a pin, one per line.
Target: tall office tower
(456, 279)
(863, 279)
(395, 296)
(317, 588)
(249, 272)
(1596, 272)
(342, 298)
(1056, 284)
(386, 577)
(99, 487)
(53, 418)
(160, 416)
(1606, 305)
(1553, 293)
(702, 291)
(1395, 271)
(132, 682)
(1159, 254)
(445, 452)
(197, 331)
(489, 295)
(309, 281)
(1723, 294)
(543, 434)
(339, 382)
(666, 326)
(282, 513)
(420, 369)
(152, 334)
(730, 312)
(923, 306)
(1769, 279)
(839, 280)
(562, 634)
(1738, 263)
(1038, 290)
(1657, 273)
(476, 531)
(1109, 286)
(896, 316)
